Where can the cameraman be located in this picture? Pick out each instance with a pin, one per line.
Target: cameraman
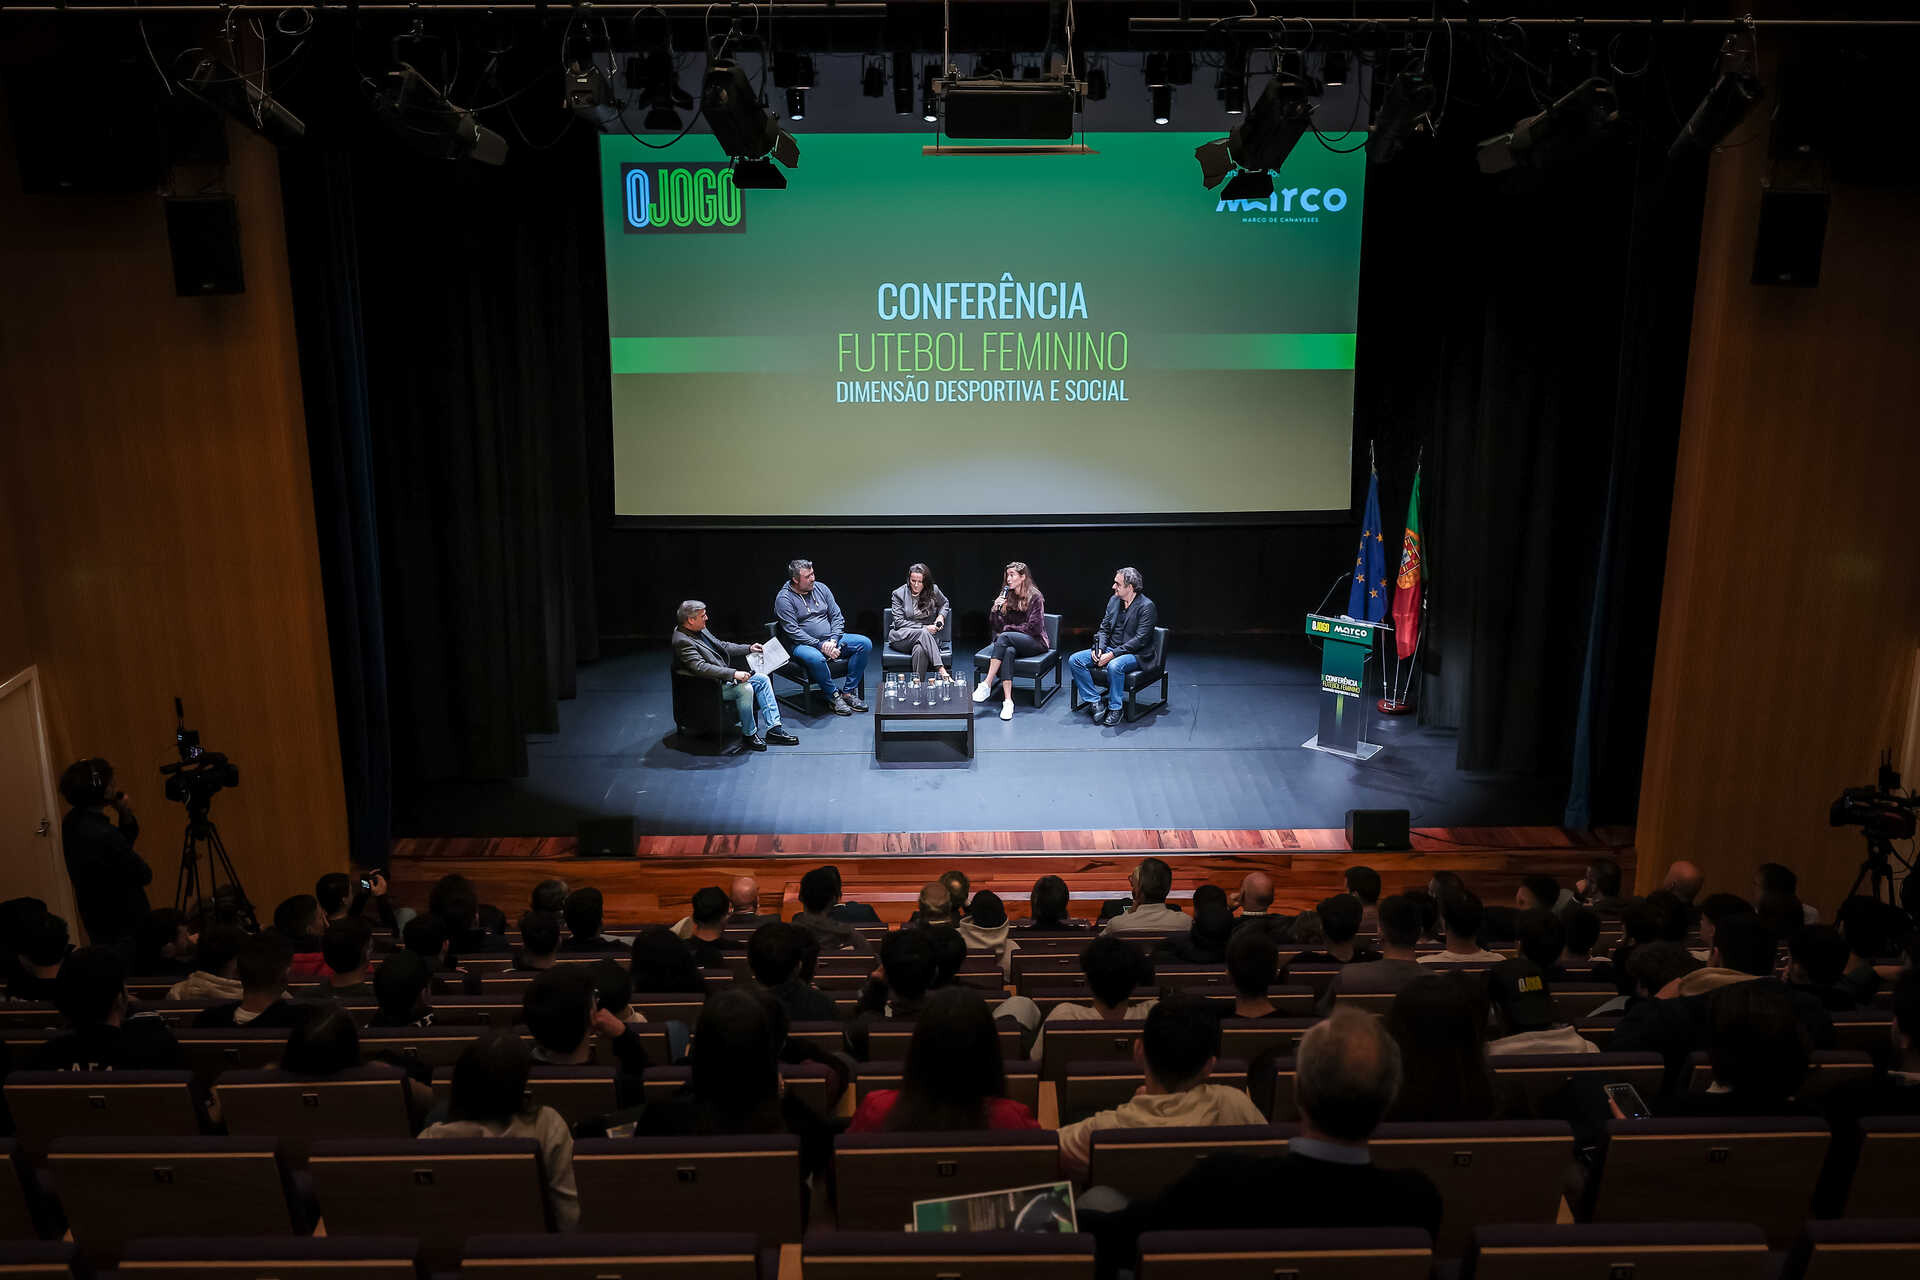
(109, 879)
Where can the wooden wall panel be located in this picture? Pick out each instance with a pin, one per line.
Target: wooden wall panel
(157, 483)
(16, 650)
(1791, 606)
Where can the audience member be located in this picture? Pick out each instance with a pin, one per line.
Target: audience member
(298, 920)
(1819, 959)
(44, 943)
(949, 954)
(1600, 888)
(1665, 914)
(613, 988)
(426, 937)
(347, 948)
(1255, 901)
(1783, 913)
(539, 942)
(1051, 908)
(1684, 881)
(1541, 893)
(1438, 1021)
(1499, 926)
(735, 1087)
(214, 976)
(1713, 909)
(1347, 1075)
(324, 1043)
(489, 1101)
(743, 904)
(1441, 883)
(1340, 923)
(934, 907)
(1205, 941)
(1253, 962)
(1400, 930)
(958, 887)
(985, 929)
(1760, 1053)
(1364, 884)
(334, 892)
(1648, 970)
(563, 1014)
(549, 896)
(1429, 913)
(109, 877)
(262, 963)
(1894, 1091)
(1306, 929)
(1524, 1017)
(401, 984)
(163, 946)
(1868, 926)
(662, 965)
(1773, 879)
(1542, 938)
(953, 1078)
(1114, 969)
(103, 1035)
(585, 914)
(1583, 934)
(907, 969)
(1461, 916)
(776, 953)
(709, 943)
(819, 899)
(454, 903)
(1152, 881)
(1177, 1049)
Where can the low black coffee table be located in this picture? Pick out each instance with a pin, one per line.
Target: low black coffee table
(958, 707)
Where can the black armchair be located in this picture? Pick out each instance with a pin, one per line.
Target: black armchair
(1032, 669)
(1153, 667)
(700, 710)
(891, 661)
(797, 674)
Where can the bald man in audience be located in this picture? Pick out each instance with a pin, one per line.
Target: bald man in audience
(1685, 881)
(1255, 901)
(744, 897)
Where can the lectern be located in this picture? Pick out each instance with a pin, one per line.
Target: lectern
(1346, 645)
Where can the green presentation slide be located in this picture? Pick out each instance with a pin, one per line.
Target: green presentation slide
(914, 337)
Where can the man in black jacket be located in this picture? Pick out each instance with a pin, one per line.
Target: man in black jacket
(1120, 644)
(1347, 1071)
(109, 879)
(563, 1013)
(105, 1036)
(777, 954)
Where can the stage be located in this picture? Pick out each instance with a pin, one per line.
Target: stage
(1224, 754)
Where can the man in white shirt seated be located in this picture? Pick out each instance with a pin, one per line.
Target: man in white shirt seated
(1524, 1019)
(1461, 916)
(1152, 881)
(1114, 968)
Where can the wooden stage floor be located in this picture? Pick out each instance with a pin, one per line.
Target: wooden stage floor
(887, 869)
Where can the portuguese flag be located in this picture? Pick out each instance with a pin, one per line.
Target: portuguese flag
(1409, 585)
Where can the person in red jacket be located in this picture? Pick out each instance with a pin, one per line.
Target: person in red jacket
(953, 1078)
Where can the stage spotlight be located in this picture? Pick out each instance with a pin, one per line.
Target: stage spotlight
(1263, 141)
(740, 124)
(590, 94)
(1162, 104)
(796, 103)
(219, 86)
(794, 73)
(655, 78)
(1726, 104)
(873, 80)
(757, 175)
(420, 115)
(1585, 112)
(1097, 83)
(1333, 68)
(1231, 88)
(903, 83)
(929, 99)
(1157, 87)
(1248, 184)
(1403, 112)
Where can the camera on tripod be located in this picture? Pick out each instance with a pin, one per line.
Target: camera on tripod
(199, 775)
(1883, 816)
(194, 780)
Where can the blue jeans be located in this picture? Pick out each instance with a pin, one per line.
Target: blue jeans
(1081, 664)
(852, 647)
(754, 693)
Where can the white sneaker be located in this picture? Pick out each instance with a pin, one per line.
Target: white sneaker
(1006, 711)
(980, 693)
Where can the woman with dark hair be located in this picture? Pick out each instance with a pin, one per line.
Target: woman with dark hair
(735, 1084)
(919, 611)
(323, 1043)
(662, 965)
(1206, 940)
(489, 1101)
(1018, 620)
(1051, 905)
(1439, 1021)
(953, 1078)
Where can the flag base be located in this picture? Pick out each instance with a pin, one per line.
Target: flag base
(1388, 707)
(1361, 750)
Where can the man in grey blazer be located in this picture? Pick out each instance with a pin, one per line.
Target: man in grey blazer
(698, 652)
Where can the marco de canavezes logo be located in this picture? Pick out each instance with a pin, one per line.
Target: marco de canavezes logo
(1287, 204)
(684, 197)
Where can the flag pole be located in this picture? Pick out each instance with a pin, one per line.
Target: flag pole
(1395, 703)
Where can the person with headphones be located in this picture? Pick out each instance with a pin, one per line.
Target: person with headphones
(109, 879)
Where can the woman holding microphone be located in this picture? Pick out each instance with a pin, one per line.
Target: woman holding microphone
(919, 611)
(1018, 621)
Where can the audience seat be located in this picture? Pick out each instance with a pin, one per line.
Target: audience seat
(272, 1257)
(1152, 670)
(1694, 1251)
(439, 1189)
(16, 1211)
(969, 1255)
(29, 1015)
(1494, 1171)
(38, 1259)
(700, 707)
(1077, 1042)
(1538, 1076)
(812, 1082)
(208, 1051)
(894, 661)
(1194, 979)
(1032, 670)
(880, 1175)
(888, 1041)
(1574, 1001)
(1862, 1248)
(1864, 1029)
(1023, 1079)
(1888, 1170)
(1831, 1068)
(370, 1102)
(747, 1182)
(119, 1189)
(49, 1105)
(1244, 1039)
(658, 1008)
(1761, 1171)
(692, 1255)
(436, 1047)
(1379, 1253)
(827, 1037)
(1140, 1163)
(1087, 1087)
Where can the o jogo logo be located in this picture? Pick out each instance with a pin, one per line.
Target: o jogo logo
(681, 197)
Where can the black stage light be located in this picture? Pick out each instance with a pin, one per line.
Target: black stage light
(590, 94)
(1263, 141)
(796, 103)
(1162, 103)
(654, 78)
(792, 71)
(740, 124)
(1403, 112)
(1248, 184)
(1333, 68)
(1180, 67)
(1157, 86)
(224, 89)
(420, 115)
(1584, 112)
(1097, 83)
(1231, 88)
(903, 83)
(873, 80)
(1726, 104)
(929, 99)
(757, 175)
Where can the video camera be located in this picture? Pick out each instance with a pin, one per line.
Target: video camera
(199, 775)
(1877, 810)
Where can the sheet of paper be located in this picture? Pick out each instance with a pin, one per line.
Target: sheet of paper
(770, 659)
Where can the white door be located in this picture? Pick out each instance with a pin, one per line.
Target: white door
(31, 864)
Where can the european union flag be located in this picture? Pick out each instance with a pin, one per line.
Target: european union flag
(1368, 598)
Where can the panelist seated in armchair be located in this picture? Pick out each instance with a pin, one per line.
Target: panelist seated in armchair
(698, 652)
(1121, 642)
(815, 633)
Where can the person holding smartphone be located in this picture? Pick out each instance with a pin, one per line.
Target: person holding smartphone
(109, 878)
(1018, 620)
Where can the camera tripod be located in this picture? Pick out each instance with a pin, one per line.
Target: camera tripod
(1876, 870)
(200, 830)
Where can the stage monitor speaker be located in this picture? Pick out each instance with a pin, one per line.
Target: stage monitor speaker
(1378, 829)
(606, 837)
(203, 233)
(1793, 234)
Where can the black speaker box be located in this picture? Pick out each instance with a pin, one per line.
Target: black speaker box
(1378, 829)
(606, 837)
(203, 233)
(1793, 234)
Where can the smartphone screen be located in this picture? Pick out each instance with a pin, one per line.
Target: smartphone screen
(1625, 1102)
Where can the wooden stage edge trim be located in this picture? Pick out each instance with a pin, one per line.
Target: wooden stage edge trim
(1020, 844)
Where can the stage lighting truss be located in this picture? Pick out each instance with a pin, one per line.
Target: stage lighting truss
(1725, 105)
(1583, 114)
(1261, 143)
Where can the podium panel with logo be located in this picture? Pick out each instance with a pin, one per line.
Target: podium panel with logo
(1346, 646)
